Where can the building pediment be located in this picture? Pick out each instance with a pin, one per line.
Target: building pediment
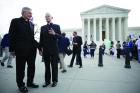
(105, 9)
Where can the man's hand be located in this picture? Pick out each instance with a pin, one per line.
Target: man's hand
(75, 43)
(51, 31)
(40, 52)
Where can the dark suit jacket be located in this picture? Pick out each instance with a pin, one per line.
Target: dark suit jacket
(21, 40)
(49, 42)
(78, 40)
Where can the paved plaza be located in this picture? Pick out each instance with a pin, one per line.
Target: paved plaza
(111, 78)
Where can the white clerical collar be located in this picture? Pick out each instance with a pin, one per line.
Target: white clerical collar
(49, 23)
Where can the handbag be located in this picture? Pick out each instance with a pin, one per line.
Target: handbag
(68, 51)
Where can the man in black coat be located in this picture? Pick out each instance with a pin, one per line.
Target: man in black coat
(23, 46)
(49, 36)
(77, 42)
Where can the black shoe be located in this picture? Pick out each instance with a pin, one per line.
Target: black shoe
(32, 85)
(54, 84)
(23, 89)
(46, 84)
(70, 66)
(2, 64)
(9, 66)
(127, 66)
(80, 67)
(63, 71)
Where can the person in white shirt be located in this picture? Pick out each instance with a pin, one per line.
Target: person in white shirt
(138, 46)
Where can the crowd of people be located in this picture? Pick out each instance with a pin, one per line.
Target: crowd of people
(132, 44)
(52, 46)
(117, 49)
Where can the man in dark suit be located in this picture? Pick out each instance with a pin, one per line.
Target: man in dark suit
(49, 35)
(23, 46)
(77, 42)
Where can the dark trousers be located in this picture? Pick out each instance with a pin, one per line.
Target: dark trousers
(53, 60)
(20, 68)
(79, 59)
(92, 52)
(85, 52)
(118, 53)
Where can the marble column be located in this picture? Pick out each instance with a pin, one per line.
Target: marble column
(113, 29)
(88, 31)
(83, 29)
(100, 29)
(120, 29)
(107, 28)
(94, 29)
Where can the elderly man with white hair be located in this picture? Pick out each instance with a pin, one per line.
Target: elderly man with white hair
(49, 35)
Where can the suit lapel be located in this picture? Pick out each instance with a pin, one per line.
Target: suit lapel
(31, 26)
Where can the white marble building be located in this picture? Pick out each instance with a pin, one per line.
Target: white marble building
(105, 22)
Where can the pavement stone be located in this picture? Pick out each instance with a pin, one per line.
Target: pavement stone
(111, 78)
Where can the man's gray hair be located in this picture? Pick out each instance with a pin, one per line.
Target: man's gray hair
(24, 9)
(48, 14)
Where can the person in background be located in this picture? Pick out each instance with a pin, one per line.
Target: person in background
(49, 35)
(118, 47)
(131, 45)
(63, 43)
(138, 48)
(111, 44)
(135, 52)
(92, 48)
(103, 47)
(77, 42)
(7, 56)
(24, 46)
(123, 48)
(112, 50)
(127, 53)
(85, 48)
